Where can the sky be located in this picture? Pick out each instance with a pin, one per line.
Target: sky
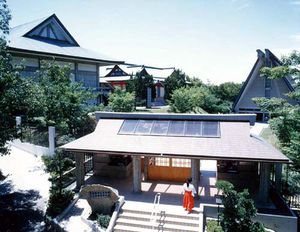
(215, 41)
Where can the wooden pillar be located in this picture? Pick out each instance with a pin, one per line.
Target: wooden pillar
(264, 182)
(79, 164)
(137, 180)
(195, 173)
(146, 162)
(278, 176)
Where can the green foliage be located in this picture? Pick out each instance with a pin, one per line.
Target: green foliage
(238, 210)
(63, 102)
(212, 226)
(121, 101)
(59, 198)
(175, 81)
(58, 201)
(227, 91)
(103, 220)
(197, 100)
(285, 120)
(139, 84)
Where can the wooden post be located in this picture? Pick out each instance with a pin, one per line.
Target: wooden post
(146, 163)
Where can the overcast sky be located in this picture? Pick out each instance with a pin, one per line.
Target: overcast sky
(213, 40)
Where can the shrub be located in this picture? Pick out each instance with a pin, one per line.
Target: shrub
(212, 226)
(238, 210)
(121, 101)
(103, 220)
(58, 201)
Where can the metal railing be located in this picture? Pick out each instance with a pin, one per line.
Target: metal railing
(153, 217)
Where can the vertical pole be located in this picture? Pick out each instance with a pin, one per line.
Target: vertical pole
(79, 171)
(149, 97)
(195, 166)
(51, 131)
(18, 126)
(146, 162)
(137, 185)
(278, 176)
(264, 182)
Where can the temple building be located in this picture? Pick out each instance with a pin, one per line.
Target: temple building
(258, 85)
(43, 40)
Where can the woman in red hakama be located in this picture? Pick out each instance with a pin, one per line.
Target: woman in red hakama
(188, 197)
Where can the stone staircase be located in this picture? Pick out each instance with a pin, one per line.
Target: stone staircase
(138, 220)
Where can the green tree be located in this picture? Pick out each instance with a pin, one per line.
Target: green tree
(197, 100)
(285, 118)
(227, 91)
(175, 81)
(63, 102)
(139, 84)
(238, 210)
(59, 198)
(17, 95)
(121, 101)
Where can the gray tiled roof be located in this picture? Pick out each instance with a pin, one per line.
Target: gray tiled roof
(235, 142)
(17, 41)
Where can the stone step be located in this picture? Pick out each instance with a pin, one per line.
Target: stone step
(160, 226)
(182, 214)
(121, 228)
(165, 218)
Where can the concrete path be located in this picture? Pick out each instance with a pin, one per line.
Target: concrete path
(26, 173)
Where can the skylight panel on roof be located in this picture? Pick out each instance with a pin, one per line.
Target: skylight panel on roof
(160, 127)
(210, 129)
(128, 127)
(144, 127)
(176, 128)
(193, 128)
(171, 128)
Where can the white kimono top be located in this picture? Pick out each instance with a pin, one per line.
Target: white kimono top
(191, 188)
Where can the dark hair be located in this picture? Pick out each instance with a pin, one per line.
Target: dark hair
(188, 181)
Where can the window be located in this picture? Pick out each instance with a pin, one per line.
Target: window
(210, 129)
(128, 127)
(160, 128)
(144, 127)
(165, 162)
(183, 163)
(171, 128)
(176, 128)
(193, 128)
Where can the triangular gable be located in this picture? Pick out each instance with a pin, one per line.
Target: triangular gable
(267, 59)
(51, 28)
(116, 71)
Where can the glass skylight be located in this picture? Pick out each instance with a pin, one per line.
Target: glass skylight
(171, 128)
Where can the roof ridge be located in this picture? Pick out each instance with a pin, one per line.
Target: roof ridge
(33, 21)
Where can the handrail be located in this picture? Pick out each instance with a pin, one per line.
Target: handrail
(153, 217)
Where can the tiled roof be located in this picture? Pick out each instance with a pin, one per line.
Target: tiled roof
(18, 42)
(235, 141)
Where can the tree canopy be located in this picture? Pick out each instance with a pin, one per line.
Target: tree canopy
(285, 118)
(175, 81)
(239, 210)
